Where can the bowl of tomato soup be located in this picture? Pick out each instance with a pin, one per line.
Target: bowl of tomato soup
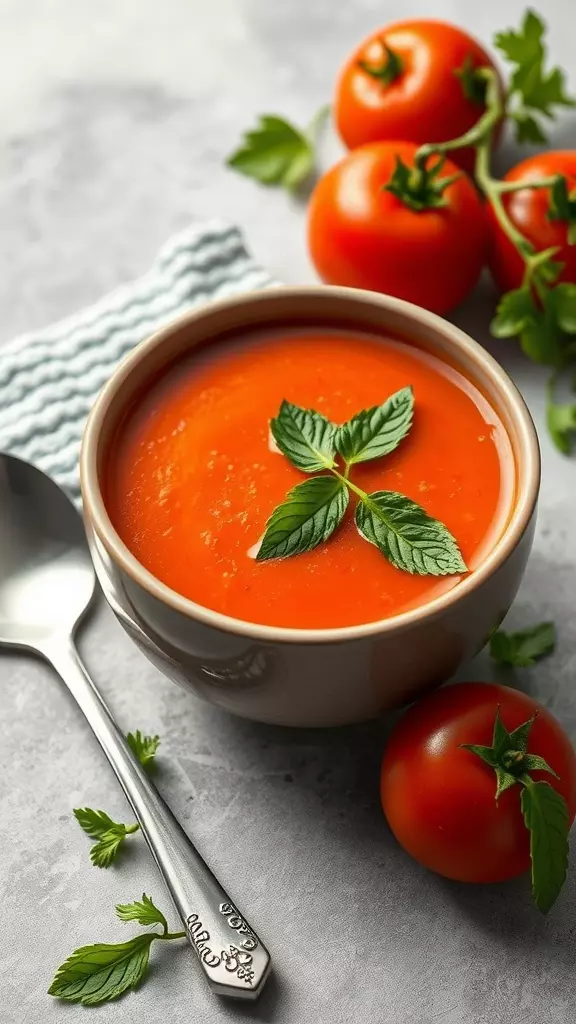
(401, 539)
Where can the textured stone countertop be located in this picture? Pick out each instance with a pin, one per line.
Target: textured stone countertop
(114, 119)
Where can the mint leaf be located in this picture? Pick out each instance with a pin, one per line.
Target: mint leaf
(535, 89)
(525, 647)
(276, 152)
(99, 973)
(144, 911)
(144, 747)
(546, 817)
(310, 514)
(407, 536)
(305, 437)
(375, 432)
(515, 311)
(563, 207)
(94, 823)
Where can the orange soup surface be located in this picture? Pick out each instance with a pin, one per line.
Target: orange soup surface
(193, 476)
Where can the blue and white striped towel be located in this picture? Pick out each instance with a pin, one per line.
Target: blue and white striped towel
(50, 378)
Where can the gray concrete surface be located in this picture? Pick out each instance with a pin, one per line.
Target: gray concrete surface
(114, 120)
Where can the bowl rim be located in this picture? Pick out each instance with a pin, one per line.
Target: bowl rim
(528, 480)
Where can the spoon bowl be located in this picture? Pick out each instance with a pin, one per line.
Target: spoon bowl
(46, 574)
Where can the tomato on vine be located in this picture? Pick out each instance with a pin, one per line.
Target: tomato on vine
(414, 80)
(479, 784)
(375, 222)
(545, 216)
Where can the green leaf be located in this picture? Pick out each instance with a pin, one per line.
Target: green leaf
(99, 973)
(375, 432)
(540, 338)
(561, 422)
(525, 647)
(563, 207)
(535, 88)
(407, 536)
(276, 152)
(527, 128)
(389, 68)
(473, 84)
(521, 734)
(144, 747)
(305, 437)
(310, 514)
(534, 763)
(144, 911)
(94, 823)
(515, 311)
(108, 846)
(546, 817)
(564, 299)
(504, 781)
(500, 736)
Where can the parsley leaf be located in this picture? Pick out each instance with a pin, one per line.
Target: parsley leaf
(375, 432)
(546, 817)
(144, 747)
(525, 647)
(310, 514)
(144, 911)
(110, 834)
(99, 973)
(305, 437)
(278, 153)
(516, 310)
(407, 536)
(536, 89)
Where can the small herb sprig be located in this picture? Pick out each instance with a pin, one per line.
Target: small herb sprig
(111, 835)
(525, 647)
(544, 810)
(400, 528)
(276, 152)
(102, 972)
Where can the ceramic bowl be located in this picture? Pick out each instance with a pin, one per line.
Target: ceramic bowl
(316, 677)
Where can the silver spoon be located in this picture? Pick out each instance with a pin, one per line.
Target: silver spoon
(46, 586)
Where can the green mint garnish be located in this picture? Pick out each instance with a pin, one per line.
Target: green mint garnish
(102, 972)
(400, 528)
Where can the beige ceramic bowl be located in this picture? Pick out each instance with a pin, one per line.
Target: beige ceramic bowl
(310, 677)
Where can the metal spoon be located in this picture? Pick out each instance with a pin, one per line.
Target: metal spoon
(46, 586)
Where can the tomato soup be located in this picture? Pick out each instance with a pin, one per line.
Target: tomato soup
(193, 474)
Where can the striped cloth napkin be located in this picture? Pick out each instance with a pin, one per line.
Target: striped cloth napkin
(50, 378)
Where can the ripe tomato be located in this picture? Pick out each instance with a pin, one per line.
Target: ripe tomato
(528, 211)
(365, 237)
(440, 799)
(427, 101)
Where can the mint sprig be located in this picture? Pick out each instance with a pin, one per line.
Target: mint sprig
(101, 972)
(544, 809)
(400, 528)
(525, 647)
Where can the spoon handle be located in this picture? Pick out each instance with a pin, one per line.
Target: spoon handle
(234, 961)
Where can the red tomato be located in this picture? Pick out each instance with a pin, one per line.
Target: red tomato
(365, 237)
(439, 799)
(426, 102)
(528, 211)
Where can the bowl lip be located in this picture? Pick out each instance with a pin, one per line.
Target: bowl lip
(521, 515)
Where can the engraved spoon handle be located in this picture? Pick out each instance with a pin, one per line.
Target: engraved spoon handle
(234, 961)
